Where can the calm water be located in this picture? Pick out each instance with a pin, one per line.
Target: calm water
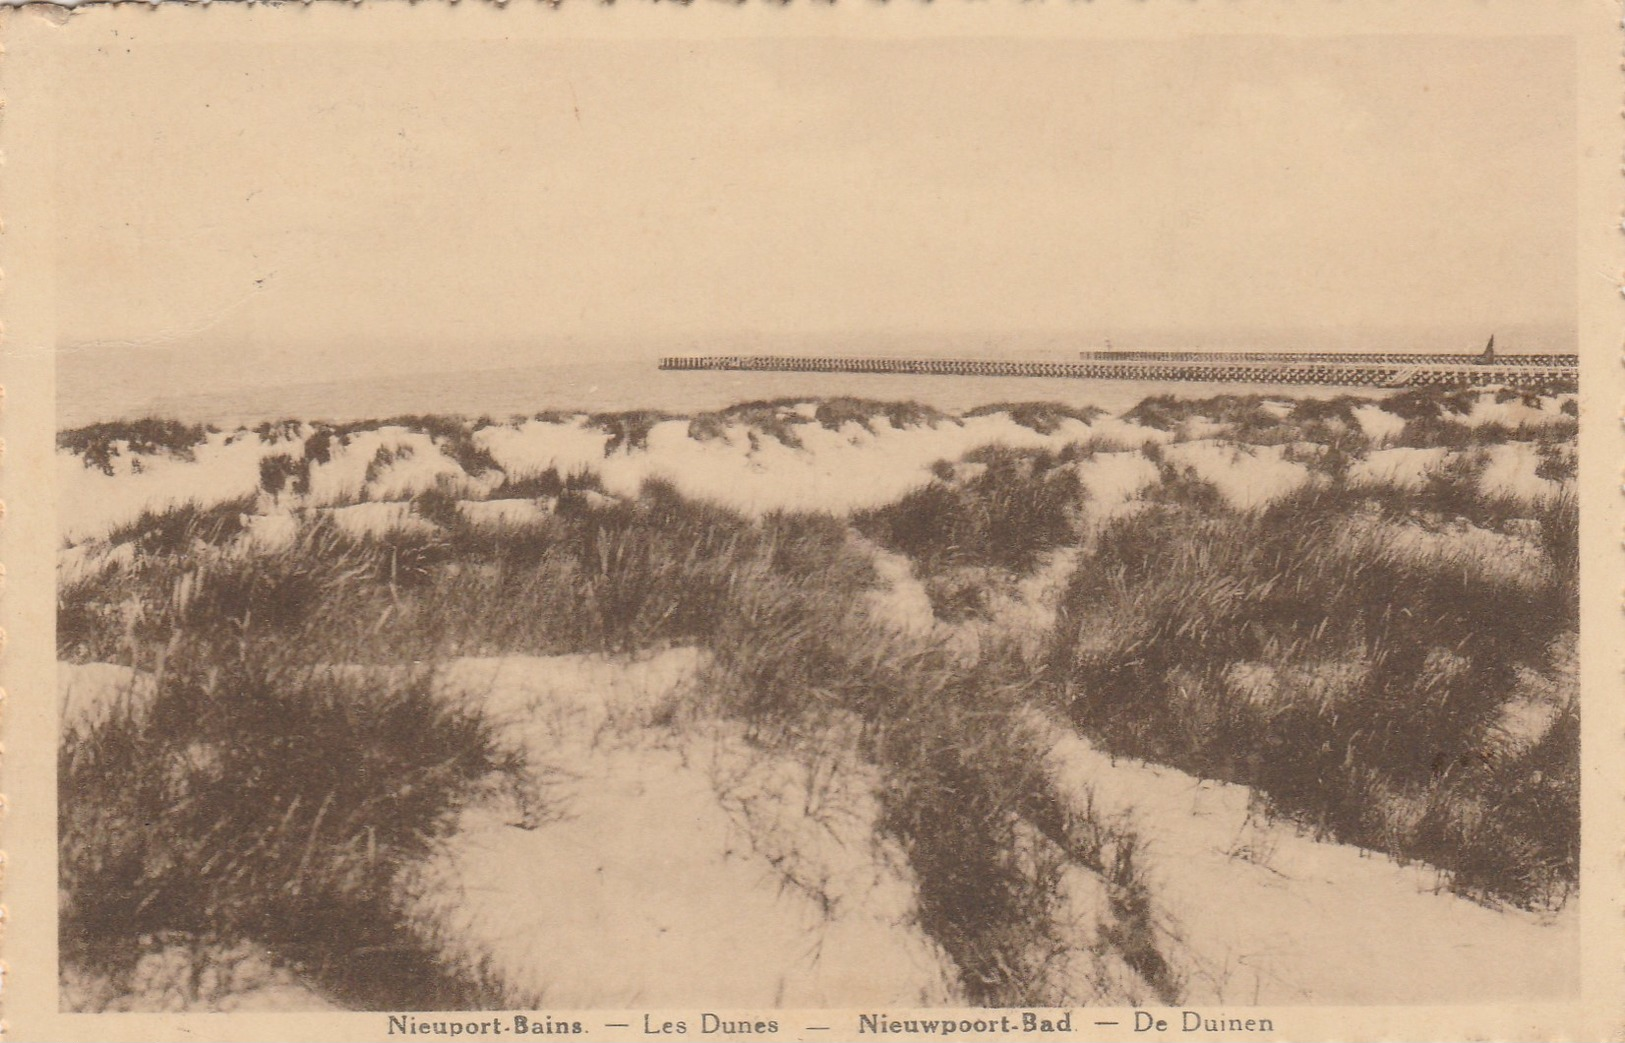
(614, 386)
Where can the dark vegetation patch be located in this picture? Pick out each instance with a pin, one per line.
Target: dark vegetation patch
(776, 418)
(1559, 462)
(438, 506)
(1446, 432)
(174, 530)
(598, 574)
(1044, 417)
(546, 484)
(275, 432)
(1432, 403)
(1246, 416)
(277, 470)
(1355, 684)
(1015, 506)
(629, 430)
(1436, 417)
(256, 796)
(834, 413)
(386, 457)
(1259, 421)
(961, 594)
(549, 416)
(452, 435)
(1180, 485)
(1449, 495)
(98, 444)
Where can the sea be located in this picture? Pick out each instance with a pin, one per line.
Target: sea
(610, 386)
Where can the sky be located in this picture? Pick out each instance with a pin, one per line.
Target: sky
(297, 214)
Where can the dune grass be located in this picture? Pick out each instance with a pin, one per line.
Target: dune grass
(1329, 650)
(546, 484)
(774, 418)
(173, 530)
(1013, 506)
(1246, 416)
(838, 411)
(275, 432)
(1357, 681)
(1044, 417)
(98, 445)
(266, 797)
(235, 642)
(628, 430)
(966, 795)
(1256, 420)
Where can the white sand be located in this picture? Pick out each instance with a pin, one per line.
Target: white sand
(269, 532)
(1377, 423)
(1515, 413)
(674, 868)
(91, 503)
(1027, 614)
(1404, 467)
(1459, 544)
(203, 978)
(88, 694)
(1253, 912)
(844, 470)
(503, 512)
(900, 602)
(377, 519)
(849, 469)
(1112, 481)
(1509, 470)
(1247, 476)
(536, 445)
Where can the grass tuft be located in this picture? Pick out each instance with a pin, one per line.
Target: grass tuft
(628, 430)
(834, 413)
(1018, 504)
(776, 419)
(1044, 417)
(1317, 658)
(98, 445)
(277, 801)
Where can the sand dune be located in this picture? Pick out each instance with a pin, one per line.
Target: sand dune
(660, 850)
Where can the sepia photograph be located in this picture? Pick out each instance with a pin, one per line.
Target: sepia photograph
(1021, 525)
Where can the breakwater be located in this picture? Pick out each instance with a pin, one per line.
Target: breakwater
(1550, 372)
(1337, 358)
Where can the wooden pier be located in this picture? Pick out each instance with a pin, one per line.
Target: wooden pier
(1386, 370)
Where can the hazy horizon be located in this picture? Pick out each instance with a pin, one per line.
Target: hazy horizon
(85, 395)
(331, 221)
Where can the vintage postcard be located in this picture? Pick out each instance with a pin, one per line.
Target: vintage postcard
(962, 521)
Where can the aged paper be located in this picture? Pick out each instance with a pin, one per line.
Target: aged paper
(958, 521)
